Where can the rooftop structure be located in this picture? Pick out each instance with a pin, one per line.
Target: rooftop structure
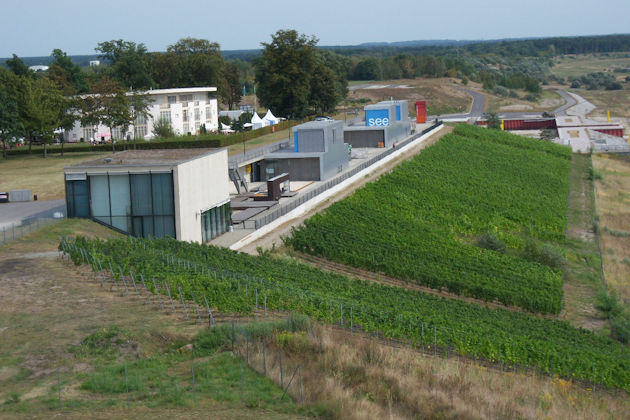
(182, 193)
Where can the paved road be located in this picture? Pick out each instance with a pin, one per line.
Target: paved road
(476, 110)
(14, 213)
(479, 102)
(562, 111)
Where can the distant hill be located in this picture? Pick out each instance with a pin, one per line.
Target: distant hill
(522, 46)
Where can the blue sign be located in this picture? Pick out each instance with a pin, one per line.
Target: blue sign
(377, 117)
(397, 112)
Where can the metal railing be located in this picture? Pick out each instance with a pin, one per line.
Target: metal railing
(235, 161)
(258, 222)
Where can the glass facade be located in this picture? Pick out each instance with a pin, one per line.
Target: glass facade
(215, 222)
(77, 198)
(138, 204)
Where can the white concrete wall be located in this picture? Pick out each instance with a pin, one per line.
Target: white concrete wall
(200, 184)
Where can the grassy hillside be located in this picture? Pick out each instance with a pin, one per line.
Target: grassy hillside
(240, 283)
(424, 222)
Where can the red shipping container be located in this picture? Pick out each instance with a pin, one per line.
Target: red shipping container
(421, 112)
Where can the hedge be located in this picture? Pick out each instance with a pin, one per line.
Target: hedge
(209, 140)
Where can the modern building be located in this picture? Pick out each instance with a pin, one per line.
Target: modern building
(386, 113)
(182, 193)
(385, 123)
(186, 109)
(376, 136)
(319, 153)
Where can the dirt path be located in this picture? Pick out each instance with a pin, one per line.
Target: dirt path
(274, 238)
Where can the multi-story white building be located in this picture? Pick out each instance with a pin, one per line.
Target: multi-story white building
(185, 108)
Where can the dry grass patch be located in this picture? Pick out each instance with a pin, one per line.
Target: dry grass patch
(443, 95)
(549, 100)
(613, 206)
(581, 64)
(360, 378)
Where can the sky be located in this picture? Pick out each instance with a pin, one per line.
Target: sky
(36, 27)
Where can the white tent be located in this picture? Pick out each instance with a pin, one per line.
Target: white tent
(225, 129)
(269, 117)
(257, 122)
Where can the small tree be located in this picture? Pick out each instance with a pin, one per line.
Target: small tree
(113, 104)
(10, 123)
(493, 120)
(139, 102)
(162, 128)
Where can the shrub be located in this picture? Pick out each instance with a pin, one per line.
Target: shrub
(594, 174)
(545, 254)
(491, 241)
(162, 128)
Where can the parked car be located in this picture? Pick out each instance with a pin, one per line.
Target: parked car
(323, 118)
(4, 197)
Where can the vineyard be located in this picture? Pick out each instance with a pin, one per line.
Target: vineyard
(233, 282)
(420, 222)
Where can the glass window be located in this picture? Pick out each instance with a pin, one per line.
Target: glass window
(172, 99)
(197, 114)
(215, 222)
(99, 198)
(141, 200)
(165, 115)
(120, 202)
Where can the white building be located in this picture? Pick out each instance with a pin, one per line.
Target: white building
(182, 193)
(185, 108)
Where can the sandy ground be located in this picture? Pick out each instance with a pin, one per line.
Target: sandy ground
(274, 238)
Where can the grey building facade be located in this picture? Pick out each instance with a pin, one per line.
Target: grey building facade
(319, 153)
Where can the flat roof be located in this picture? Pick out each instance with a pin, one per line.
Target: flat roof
(578, 121)
(314, 125)
(161, 157)
(181, 90)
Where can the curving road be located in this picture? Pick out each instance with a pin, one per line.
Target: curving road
(479, 101)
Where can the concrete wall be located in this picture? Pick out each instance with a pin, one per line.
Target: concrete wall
(200, 184)
(336, 158)
(299, 169)
(311, 141)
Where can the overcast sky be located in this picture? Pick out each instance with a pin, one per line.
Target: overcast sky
(36, 27)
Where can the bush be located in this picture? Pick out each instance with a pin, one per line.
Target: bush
(220, 336)
(545, 254)
(491, 241)
(594, 174)
(162, 128)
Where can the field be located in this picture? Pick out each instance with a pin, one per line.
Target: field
(239, 283)
(578, 65)
(421, 222)
(43, 177)
(58, 326)
(443, 95)
(549, 100)
(355, 376)
(613, 208)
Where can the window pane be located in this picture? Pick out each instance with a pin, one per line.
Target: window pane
(162, 194)
(121, 202)
(141, 195)
(99, 198)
